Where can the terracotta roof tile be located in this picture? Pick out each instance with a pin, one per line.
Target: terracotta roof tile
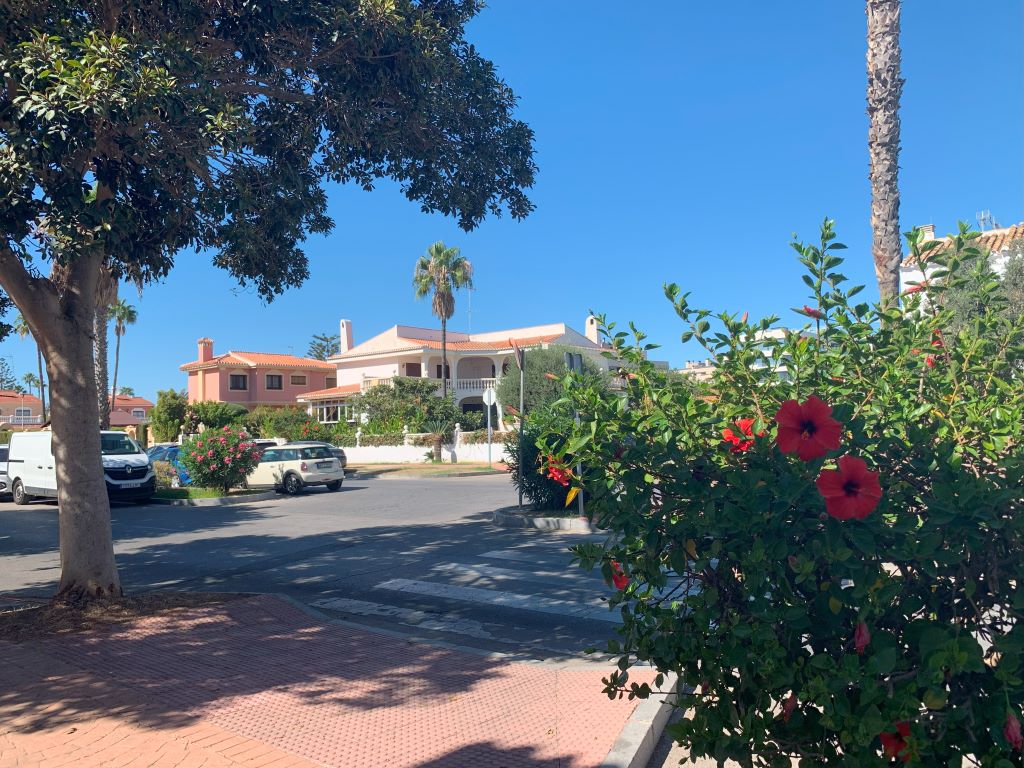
(261, 360)
(993, 240)
(122, 401)
(324, 394)
(10, 395)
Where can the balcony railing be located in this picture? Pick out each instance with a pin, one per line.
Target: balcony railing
(21, 421)
(460, 386)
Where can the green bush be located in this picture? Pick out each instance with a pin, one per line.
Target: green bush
(165, 473)
(213, 414)
(541, 390)
(267, 421)
(220, 458)
(313, 430)
(168, 415)
(480, 436)
(543, 492)
(839, 583)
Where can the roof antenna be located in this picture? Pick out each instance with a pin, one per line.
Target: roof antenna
(986, 220)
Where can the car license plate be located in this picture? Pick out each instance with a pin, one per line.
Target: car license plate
(130, 485)
(324, 464)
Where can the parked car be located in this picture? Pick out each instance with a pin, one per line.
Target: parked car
(5, 482)
(336, 452)
(171, 453)
(290, 468)
(127, 470)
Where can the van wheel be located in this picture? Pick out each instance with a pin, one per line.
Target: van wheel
(292, 484)
(334, 485)
(18, 492)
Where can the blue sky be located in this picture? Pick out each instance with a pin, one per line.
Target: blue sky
(681, 142)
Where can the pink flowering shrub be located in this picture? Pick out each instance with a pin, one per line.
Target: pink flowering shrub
(219, 458)
(826, 544)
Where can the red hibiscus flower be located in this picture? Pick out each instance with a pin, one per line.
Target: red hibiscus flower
(807, 429)
(557, 473)
(817, 314)
(930, 361)
(1011, 732)
(852, 491)
(895, 744)
(619, 577)
(745, 439)
(788, 706)
(861, 637)
(937, 341)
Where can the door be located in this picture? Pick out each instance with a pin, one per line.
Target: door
(263, 475)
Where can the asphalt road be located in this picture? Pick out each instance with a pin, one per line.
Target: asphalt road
(414, 556)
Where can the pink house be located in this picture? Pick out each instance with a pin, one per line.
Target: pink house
(128, 411)
(254, 378)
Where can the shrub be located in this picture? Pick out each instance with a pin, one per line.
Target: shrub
(266, 421)
(831, 582)
(480, 436)
(369, 441)
(168, 415)
(540, 389)
(212, 414)
(165, 473)
(543, 492)
(220, 458)
(314, 430)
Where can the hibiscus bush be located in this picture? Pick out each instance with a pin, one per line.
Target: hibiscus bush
(826, 550)
(220, 458)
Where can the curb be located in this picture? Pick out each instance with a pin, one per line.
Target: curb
(513, 520)
(370, 473)
(217, 501)
(640, 735)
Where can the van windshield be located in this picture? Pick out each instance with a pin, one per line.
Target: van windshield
(118, 445)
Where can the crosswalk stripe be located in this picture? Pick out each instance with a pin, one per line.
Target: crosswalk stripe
(404, 616)
(594, 610)
(572, 577)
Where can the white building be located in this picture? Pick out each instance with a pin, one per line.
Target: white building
(995, 241)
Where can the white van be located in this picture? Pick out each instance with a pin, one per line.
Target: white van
(31, 468)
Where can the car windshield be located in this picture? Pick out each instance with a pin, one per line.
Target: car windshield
(319, 452)
(118, 445)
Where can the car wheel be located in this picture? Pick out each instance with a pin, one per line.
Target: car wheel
(292, 485)
(18, 493)
(334, 485)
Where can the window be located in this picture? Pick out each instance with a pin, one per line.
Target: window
(274, 381)
(332, 381)
(319, 452)
(118, 445)
(413, 369)
(139, 413)
(448, 370)
(238, 381)
(22, 416)
(270, 455)
(298, 380)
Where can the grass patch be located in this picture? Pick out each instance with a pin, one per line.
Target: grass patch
(28, 624)
(190, 492)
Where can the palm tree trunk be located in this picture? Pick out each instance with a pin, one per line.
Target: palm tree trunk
(885, 87)
(444, 356)
(117, 362)
(42, 387)
(99, 326)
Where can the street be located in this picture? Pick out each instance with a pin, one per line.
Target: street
(414, 556)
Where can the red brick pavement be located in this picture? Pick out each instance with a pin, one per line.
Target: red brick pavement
(260, 683)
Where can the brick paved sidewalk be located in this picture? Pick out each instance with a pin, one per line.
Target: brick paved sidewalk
(260, 683)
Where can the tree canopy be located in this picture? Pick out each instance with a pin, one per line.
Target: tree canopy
(145, 127)
(324, 345)
(540, 389)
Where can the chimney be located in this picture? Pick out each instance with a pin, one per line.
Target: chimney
(205, 350)
(928, 231)
(345, 334)
(592, 333)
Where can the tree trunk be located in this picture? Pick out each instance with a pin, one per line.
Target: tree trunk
(885, 87)
(63, 325)
(117, 362)
(100, 324)
(438, 446)
(42, 381)
(444, 357)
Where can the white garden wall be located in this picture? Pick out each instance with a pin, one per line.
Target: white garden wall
(409, 454)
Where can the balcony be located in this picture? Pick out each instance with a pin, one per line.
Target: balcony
(21, 421)
(460, 387)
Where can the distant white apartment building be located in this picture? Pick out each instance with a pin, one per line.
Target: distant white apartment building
(995, 241)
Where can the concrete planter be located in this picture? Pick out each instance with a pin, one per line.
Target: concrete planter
(216, 501)
(511, 517)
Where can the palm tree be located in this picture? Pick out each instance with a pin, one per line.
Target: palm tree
(21, 328)
(123, 314)
(884, 89)
(31, 382)
(106, 295)
(126, 392)
(442, 271)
